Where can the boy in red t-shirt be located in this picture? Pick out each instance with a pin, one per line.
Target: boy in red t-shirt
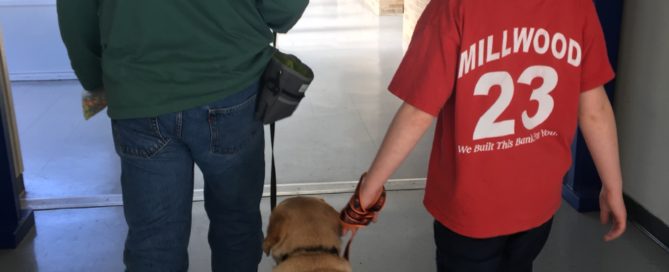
(508, 81)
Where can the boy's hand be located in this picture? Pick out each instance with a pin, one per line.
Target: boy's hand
(358, 214)
(612, 209)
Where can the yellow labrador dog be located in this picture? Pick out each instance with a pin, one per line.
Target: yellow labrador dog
(304, 235)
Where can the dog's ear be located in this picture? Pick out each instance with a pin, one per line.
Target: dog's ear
(274, 231)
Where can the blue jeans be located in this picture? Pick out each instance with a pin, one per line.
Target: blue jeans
(157, 160)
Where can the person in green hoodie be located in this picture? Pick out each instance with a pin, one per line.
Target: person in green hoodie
(181, 79)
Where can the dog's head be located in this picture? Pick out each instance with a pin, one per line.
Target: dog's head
(302, 222)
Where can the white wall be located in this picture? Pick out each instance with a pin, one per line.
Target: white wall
(32, 41)
(642, 104)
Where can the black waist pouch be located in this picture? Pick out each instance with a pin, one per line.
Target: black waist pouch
(284, 83)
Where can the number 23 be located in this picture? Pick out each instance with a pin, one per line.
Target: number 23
(487, 127)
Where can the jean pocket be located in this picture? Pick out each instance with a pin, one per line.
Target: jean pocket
(138, 138)
(233, 126)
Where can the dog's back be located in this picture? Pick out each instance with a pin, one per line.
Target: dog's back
(314, 263)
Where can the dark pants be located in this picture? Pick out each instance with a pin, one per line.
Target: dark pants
(157, 157)
(512, 253)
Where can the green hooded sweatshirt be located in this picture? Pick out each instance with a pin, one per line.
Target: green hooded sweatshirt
(160, 56)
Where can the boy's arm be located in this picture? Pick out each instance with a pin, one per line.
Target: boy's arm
(404, 132)
(78, 21)
(598, 126)
(281, 15)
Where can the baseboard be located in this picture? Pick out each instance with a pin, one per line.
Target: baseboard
(290, 189)
(13, 238)
(26, 3)
(647, 222)
(42, 76)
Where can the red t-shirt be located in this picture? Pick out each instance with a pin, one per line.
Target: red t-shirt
(504, 79)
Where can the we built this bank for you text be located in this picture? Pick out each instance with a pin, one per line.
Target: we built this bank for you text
(507, 143)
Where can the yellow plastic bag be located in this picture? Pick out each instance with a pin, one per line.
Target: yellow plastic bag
(93, 103)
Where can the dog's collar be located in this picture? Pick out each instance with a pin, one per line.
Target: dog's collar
(308, 250)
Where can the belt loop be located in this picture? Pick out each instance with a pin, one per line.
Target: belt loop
(179, 119)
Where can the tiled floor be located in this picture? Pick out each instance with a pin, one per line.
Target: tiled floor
(401, 241)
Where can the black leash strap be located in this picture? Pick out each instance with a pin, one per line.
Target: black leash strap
(272, 197)
(273, 175)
